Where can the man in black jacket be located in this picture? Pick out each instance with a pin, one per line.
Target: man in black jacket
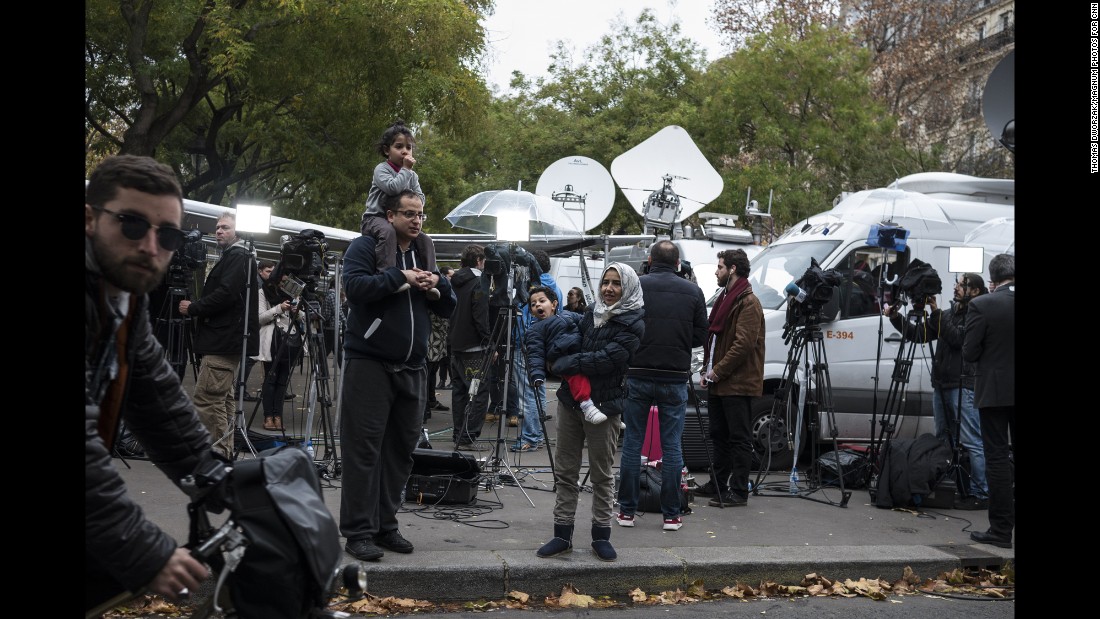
(132, 213)
(990, 344)
(220, 329)
(952, 380)
(660, 374)
(469, 339)
(385, 386)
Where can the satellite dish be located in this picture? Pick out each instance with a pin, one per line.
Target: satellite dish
(999, 102)
(670, 152)
(582, 186)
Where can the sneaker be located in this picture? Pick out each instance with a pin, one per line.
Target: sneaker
(624, 520)
(591, 413)
(491, 418)
(432, 294)
(363, 549)
(728, 500)
(523, 447)
(513, 422)
(673, 524)
(393, 540)
(971, 503)
(707, 489)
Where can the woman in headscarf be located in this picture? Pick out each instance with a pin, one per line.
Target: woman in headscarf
(611, 332)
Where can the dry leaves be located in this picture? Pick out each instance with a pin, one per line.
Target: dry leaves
(957, 583)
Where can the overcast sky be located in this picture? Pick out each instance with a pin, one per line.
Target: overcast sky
(522, 33)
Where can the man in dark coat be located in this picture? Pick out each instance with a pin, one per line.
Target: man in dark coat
(660, 375)
(385, 386)
(132, 213)
(990, 344)
(222, 316)
(469, 341)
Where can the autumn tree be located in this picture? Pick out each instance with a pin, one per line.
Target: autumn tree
(919, 71)
(792, 113)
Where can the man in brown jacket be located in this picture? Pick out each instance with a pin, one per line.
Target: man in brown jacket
(734, 375)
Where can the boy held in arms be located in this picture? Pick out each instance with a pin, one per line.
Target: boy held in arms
(554, 335)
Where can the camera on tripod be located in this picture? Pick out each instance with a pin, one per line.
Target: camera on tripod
(502, 260)
(187, 258)
(918, 284)
(809, 294)
(302, 260)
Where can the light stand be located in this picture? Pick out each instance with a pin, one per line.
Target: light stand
(250, 219)
(807, 370)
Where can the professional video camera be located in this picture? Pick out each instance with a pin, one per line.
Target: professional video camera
(187, 258)
(504, 259)
(919, 282)
(302, 260)
(809, 294)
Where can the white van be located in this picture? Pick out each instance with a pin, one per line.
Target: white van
(860, 345)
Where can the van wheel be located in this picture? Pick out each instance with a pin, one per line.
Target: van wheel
(769, 431)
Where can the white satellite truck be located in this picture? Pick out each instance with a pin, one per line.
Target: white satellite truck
(939, 212)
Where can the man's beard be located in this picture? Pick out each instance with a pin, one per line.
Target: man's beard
(724, 281)
(121, 274)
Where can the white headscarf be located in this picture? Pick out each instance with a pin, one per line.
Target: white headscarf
(631, 299)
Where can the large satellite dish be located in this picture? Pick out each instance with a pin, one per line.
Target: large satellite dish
(582, 186)
(999, 102)
(670, 161)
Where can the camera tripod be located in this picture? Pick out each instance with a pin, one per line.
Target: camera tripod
(502, 338)
(177, 333)
(806, 387)
(914, 328)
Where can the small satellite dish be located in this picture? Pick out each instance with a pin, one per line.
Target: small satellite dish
(670, 152)
(999, 102)
(582, 186)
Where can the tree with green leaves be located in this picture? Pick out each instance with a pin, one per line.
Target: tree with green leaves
(274, 101)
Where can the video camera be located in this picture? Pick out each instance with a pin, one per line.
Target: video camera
(302, 260)
(502, 260)
(809, 294)
(187, 258)
(919, 282)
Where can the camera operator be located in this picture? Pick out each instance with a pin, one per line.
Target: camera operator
(132, 213)
(950, 375)
(221, 314)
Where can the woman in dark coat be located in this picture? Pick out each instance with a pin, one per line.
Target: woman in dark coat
(611, 333)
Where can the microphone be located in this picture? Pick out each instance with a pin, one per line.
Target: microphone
(793, 290)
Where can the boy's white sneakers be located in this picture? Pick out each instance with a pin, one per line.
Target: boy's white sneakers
(591, 413)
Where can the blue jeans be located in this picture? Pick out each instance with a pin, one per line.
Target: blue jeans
(946, 401)
(531, 427)
(671, 401)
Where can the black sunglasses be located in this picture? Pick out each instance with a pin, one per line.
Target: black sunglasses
(135, 227)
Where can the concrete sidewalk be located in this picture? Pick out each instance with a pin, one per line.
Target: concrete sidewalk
(486, 549)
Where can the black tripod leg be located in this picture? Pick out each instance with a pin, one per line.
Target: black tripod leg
(705, 435)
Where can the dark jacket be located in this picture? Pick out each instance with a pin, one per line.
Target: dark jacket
(159, 413)
(550, 339)
(991, 345)
(605, 354)
(382, 325)
(946, 326)
(675, 322)
(739, 352)
(470, 321)
(219, 314)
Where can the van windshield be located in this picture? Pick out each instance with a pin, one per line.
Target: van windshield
(778, 265)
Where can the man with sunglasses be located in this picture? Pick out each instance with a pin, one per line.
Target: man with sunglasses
(220, 325)
(132, 213)
(385, 378)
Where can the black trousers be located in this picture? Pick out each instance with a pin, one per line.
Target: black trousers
(730, 419)
(998, 423)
